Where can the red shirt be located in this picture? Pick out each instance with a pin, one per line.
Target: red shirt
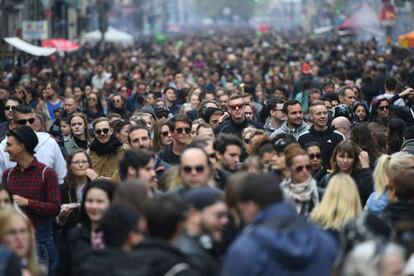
(44, 198)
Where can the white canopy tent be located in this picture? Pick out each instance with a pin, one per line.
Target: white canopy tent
(111, 35)
(29, 48)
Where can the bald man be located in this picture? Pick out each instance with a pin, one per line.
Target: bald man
(343, 125)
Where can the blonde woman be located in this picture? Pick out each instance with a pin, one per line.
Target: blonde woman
(339, 204)
(17, 233)
(387, 165)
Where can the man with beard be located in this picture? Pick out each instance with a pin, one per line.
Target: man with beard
(228, 150)
(294, 120)
(106, 150)
(276, 116)
(326, 137)
(205, 220)
(139, 164)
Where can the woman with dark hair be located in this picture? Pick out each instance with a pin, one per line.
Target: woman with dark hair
(82, 239)
(348, 158)
(79, 173)
(121, 128)
(79, 131)
(94, 108)
(380, 111)
(361, 113)
(361, 135)
(162, 135)
(117, 105)
(6, 198)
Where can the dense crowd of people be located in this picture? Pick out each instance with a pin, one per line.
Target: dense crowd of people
(214, 153)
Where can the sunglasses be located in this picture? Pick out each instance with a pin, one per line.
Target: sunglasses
(25, 121)
(180, 130)
(9, 107)
(301, 168)
(165, 133)
(189, 169)
(100, 131)
(236, 106)
(92, 99)
(316, 155)
(382, 108)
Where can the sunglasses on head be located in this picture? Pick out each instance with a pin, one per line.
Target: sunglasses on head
(180, 130)
(92, 99)
(165, 133)
(316, 155)
(301, 168)
(236, 106)
(385, 107)
(9, 107)
(25, 121)
(103, 130)
(189, 169)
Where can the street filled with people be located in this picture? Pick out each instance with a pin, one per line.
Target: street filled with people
(214, 152)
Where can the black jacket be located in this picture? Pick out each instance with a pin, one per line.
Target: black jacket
(68, 195)
(399, 212)
(327, 141)
(199, 256)
(4, 126)
(363, 179)
(156, 257)
(232, 127)
(109, 262)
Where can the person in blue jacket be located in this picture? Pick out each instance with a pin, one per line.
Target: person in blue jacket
(276, 241)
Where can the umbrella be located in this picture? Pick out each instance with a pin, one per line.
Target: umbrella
(61, 44)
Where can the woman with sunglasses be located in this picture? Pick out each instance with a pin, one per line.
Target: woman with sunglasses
(318, 170)
(80, 138)
(300, 187)
(348, 158)
(162, 135)
(106, 149)
(94, 108)
(97, 198)
(117, 105)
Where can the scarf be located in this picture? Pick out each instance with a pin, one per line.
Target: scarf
(304, 194)
(109, 147)
(82, 144)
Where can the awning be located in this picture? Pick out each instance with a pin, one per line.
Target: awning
(29, 48)
(61, 44)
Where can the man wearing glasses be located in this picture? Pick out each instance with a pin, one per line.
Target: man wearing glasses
(47, 150)
(181, 132)
(237, 121)
(10, 104)
(276, 117)
(106, 150)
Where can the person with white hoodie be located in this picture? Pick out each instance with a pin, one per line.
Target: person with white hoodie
(47, 150)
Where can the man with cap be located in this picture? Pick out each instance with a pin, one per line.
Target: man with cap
(206, 218)
(47, 150)
(212, 116)
(35, 189)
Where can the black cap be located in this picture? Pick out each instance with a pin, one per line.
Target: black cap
(27, 136)
(200, 198)
(161, 110)
(209, 111)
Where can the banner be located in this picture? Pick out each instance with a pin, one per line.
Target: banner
(34, 30)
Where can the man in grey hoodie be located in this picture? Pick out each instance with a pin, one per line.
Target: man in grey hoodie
(294, 120)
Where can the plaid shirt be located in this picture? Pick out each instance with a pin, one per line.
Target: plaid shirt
(27, 183)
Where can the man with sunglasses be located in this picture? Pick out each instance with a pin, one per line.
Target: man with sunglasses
(326, 136)
(47, 151)
(237, 121)
(10, 104)
(181, 131)
(106, 150)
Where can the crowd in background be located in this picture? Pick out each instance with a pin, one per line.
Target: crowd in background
(213, 153)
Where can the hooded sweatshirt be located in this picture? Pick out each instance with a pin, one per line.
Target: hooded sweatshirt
(265, 250)
(47, 152)
(303, 128)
